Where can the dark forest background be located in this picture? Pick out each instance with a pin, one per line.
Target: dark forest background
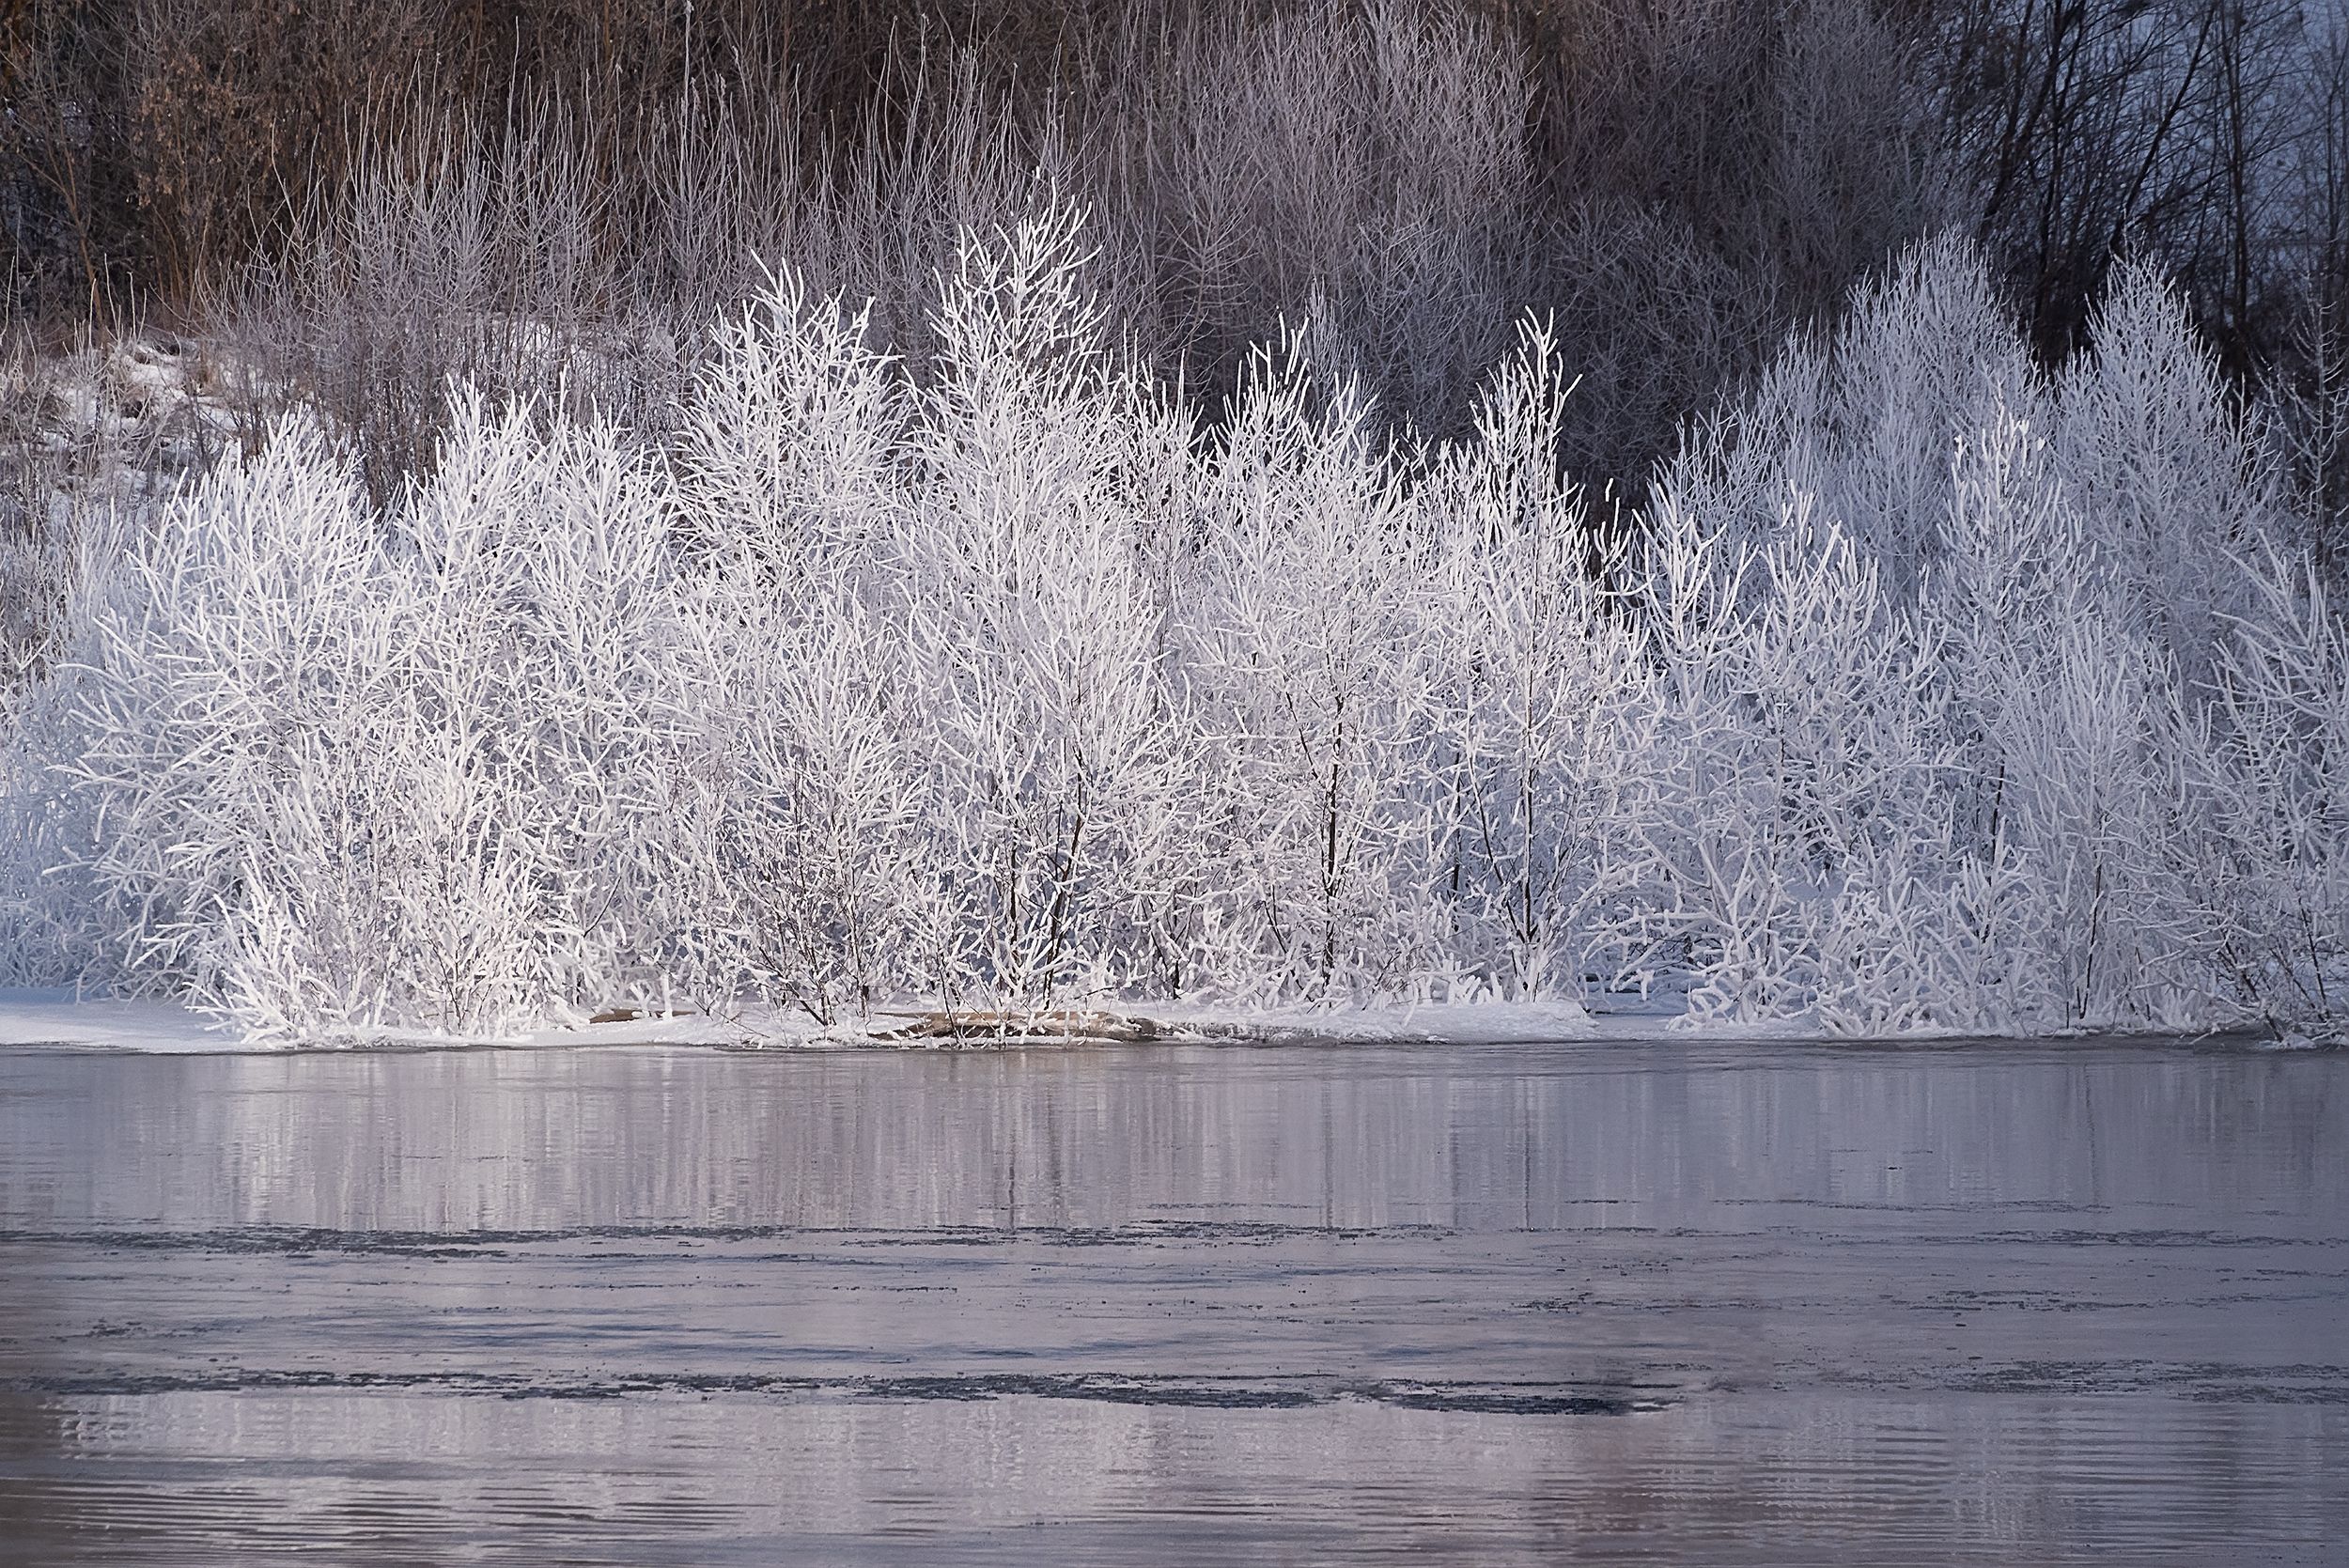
(346, 201)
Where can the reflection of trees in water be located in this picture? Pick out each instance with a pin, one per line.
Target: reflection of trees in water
(1473, 1140)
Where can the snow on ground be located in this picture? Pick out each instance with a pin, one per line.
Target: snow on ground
(55, 1018)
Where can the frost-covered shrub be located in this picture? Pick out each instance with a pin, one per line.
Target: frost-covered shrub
(1801, 844)
(2264, 778)
(794, 875)
(2155, 454)
(1306, 679)
(2040, 579)
(1543, 713)
(327, 768)
(1863, 418)
(1022, 579)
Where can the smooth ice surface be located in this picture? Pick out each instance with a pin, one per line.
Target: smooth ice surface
(1748, 1302)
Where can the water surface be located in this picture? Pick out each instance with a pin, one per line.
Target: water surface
(1757, 1303)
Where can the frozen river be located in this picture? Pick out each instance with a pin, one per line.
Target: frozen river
(625, 1305)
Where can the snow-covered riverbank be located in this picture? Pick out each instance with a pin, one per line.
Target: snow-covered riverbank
(55, 1018)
